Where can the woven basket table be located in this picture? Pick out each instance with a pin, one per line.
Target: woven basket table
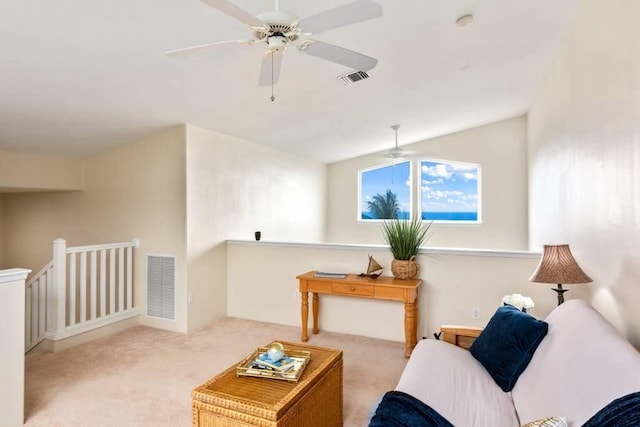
(315, 400)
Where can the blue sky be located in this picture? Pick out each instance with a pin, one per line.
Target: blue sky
(396, 177)
(448, 187)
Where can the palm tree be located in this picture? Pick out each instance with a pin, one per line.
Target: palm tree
(384, 206)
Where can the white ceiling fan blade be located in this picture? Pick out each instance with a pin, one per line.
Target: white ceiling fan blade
(340, 55)
(395, 153)
(269, 68)
(399, 153)
(358, 11)
(234, 11)
(204, 47)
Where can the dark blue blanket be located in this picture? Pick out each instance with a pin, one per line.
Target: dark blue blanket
(400, 409)
(622, 412)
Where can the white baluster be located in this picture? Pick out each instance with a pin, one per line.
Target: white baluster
(120, 279)
(103, 282)
(27, 329)
(72, 289)
(34, 309)
(83, 287)
(42, 299)
(94, 275)
(112, 281)
(129, 277)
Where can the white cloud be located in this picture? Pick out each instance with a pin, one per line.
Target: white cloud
(437, 171)
(435, 181)
(462, 168)
(436, 194)
(469, 176)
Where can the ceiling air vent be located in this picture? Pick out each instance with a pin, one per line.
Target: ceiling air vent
(354, 77)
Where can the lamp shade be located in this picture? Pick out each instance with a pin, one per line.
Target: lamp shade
(557, 265)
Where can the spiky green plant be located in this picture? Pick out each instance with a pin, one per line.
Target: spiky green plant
(405, 236)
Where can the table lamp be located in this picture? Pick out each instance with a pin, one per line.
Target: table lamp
(557, 265)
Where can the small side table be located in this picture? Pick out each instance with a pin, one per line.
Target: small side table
(383, 288)
(462, 336)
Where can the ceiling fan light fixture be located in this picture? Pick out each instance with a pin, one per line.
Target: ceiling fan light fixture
(395, 153)
(276, 43)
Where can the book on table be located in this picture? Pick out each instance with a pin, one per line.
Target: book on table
(281, 365)
(328, 275)
(289, 368)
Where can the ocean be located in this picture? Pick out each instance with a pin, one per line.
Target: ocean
(369, 215)
(450, 216)
(434, 216)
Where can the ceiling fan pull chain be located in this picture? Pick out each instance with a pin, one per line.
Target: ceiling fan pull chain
(273, 98)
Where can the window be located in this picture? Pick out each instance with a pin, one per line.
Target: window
(384, 192)
(449, 191)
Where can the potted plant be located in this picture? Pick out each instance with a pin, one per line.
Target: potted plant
(405, 238)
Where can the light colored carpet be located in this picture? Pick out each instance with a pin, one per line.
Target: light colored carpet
(144, 376)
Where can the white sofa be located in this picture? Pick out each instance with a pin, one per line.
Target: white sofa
(581, 366)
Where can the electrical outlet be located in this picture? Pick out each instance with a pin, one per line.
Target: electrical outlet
(475, 313)
(189, 297)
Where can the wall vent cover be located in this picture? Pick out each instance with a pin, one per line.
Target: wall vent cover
(161, 286)
(354, 77)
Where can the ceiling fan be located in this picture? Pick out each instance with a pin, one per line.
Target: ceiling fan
(278, 28)
(396, 152)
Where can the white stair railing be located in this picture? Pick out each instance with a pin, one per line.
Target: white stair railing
(82, 288)
(36, 307)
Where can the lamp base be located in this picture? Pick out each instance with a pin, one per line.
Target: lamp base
(560, 292)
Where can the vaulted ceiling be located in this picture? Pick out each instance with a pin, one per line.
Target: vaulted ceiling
(78, 76)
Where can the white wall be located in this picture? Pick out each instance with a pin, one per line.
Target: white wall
(137, 190)
(584, 156)
(263, 286)
(501, 150)
(183, 193)
(235, 187)
(33, 172)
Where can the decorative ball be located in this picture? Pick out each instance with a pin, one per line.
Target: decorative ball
(275, 351)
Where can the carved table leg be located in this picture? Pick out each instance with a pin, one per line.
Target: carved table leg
(315, 306)
(414, 333)
(410, 328)
(305, 315)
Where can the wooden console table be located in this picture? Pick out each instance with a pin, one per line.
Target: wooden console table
(383, 288)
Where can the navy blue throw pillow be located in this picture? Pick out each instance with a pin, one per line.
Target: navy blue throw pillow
(505, 347)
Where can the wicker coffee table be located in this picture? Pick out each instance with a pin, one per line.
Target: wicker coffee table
(315, 400)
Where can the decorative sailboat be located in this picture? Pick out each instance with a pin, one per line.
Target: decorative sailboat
(373, 269)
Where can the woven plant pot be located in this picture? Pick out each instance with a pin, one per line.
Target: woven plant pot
(404, 269)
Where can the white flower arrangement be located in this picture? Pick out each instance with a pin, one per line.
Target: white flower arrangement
(519, 301)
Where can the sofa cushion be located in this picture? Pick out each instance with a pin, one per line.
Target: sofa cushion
(507, 344)
(582, 365)
(453, 383)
